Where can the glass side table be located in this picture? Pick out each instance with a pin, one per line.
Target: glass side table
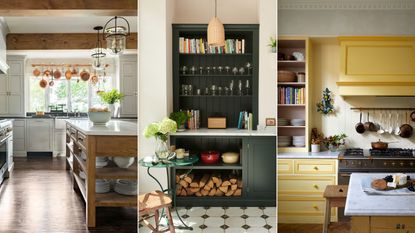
(171, 191)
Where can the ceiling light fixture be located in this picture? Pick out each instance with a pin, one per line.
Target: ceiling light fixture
(116, 35)
(216, 31)
(98, 52)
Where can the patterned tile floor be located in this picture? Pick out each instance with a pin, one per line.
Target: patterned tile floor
(226, 220)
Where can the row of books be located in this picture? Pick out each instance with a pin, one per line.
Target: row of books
(291, 95)
(245, 120)
(200, 46)
(194, 121)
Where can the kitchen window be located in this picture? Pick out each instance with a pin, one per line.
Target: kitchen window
(76, 95)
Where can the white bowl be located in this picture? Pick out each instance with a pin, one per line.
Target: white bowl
(125, 187)
(99, 118)
(123, 162)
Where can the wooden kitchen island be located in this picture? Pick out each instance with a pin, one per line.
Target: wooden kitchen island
(379, 213)
(117, 138)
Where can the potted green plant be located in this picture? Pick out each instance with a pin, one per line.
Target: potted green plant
(180, 118)
(273, 44)
(111, 98)
(160, 131)
(335, 142)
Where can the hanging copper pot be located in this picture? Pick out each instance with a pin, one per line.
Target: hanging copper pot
(68, 74)
(94, 78)
(36, 72)
(47, 72)
(57, 74)
(84, 75)
(74, 72)
(43, 83)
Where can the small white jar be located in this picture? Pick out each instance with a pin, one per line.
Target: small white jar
(315, 148)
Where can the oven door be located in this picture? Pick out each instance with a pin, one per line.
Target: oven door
(3, 154)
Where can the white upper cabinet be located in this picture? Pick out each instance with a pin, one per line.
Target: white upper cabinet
(12, 88)
(128, 85)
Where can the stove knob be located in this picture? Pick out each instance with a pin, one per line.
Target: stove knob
(401, 164)
(393, 163)
(385, 163)
(411, 163)
(352, 163)
(360, 163)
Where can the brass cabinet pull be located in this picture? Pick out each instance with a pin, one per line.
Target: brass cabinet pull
(315, 168)
(315, 186)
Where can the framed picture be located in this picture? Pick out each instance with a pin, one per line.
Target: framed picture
(270, 122)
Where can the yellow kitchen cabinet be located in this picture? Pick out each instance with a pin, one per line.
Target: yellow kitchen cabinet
(383, 224)
(377, 66)
(301, 184)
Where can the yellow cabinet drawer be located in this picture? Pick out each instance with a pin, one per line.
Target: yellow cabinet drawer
(285, 166)
(315, 166)
(304, 184)
(392, 222)
(300, 207)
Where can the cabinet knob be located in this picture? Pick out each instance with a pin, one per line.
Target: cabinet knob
(315, 207)
(398, 226)
(315, 168)
(393, 163)
(315, 186)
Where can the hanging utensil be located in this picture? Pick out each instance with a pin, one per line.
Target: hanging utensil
(57, 74)
(360, 127)
(413, 116)
(381, 130)
(43, 83)
(36, 72)
(406, 130)
(397, 130)
(84, 75)
(68, 74)
(369, 125)
(51, 82)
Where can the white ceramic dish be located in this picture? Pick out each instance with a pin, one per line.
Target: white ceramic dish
(99, 118)
(123, 162)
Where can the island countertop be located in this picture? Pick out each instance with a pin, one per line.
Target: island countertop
(358, 203)
(112, 128)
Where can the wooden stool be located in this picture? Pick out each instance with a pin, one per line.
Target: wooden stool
(335, 197)
(152, 203)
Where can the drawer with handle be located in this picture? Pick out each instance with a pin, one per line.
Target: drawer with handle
(316, 166)
(285, 166)
(81, 139)
(292, 185)
(309, 207)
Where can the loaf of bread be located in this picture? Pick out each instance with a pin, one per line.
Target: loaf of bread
(379, 184)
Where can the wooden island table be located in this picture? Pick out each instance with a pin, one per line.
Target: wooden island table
(116, 138)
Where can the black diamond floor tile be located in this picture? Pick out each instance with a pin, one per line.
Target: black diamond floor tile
(224, 226)
(246, 227)
(244, 216)
(206, 207)
(205, 216)
(224, 216)
(203, 226)
(244, 208)
(188, 207)
(184, 216)
(264, 216)
(262, 207)
(225, 207)
(267, 226)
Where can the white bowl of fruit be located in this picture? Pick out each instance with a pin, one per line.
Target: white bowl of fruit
(99, 116)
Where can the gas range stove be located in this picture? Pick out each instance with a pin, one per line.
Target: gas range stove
(357, 153)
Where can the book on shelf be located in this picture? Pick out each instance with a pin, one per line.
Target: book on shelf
(200, 46)
(245, 120)
(194, 119)
(291, 95)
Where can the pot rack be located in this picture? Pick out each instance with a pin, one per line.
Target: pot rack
(65, 65)
(374, 109)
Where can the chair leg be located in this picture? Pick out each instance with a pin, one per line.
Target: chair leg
(156, 219)
(170, 219)
(327, 216)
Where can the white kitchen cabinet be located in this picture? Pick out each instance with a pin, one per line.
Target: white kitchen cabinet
(12, 88)
(39, 135)
(19, 135)
(128, 85)
(59, 137)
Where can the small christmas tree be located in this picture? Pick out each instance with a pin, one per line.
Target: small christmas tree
(325, 106)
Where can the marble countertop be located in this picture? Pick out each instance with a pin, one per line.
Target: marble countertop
(309, 155)
(112, 128)
(226, 132)
(358, 203)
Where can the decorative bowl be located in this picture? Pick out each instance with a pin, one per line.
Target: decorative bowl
(230, 157)
(99, 118)
(210, 157)
(123, 162)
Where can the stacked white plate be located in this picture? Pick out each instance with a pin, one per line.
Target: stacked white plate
(102, 186)
(283, 122)
(284, 141)
(299, 141)
(101, 162)
(297, 122)
(83, 155)
(82, 175)
(126, 187)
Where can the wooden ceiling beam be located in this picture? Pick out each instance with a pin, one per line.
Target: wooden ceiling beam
(68, 7)
(56, 41)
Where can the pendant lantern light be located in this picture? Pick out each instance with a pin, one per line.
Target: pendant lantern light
(216, 31)
(98, 52)
(116, 35)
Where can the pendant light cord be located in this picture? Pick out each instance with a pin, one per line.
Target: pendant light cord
(216, 8)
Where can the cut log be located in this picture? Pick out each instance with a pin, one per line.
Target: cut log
(207, 187)
(234, 187)
(240, 184)
(195, 182)
(238, 192)
(189, 178)
(229, 193)
(194, 190)
(198, 194)
(215, 178)
(204, 192)
(233, 179)
(183, 193)
(210, 183)
(204, 180)
(183, 183)
(224, 189)
(177, 179)
(178, 188)
(225, 183)
(212, 192)
(219, 193)
(218, 183)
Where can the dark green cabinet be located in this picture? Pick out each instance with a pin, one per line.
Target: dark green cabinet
(261, 172)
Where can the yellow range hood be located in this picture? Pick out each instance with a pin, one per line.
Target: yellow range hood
(377, 66)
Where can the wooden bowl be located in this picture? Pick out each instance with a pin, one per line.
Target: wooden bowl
(286, 76)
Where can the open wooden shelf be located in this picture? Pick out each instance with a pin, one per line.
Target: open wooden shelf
(81, 162)
(291, 83)
(81, 185)
(291, 105)
(218, 166)
(115, 199)
(111, 171)
(291, 63)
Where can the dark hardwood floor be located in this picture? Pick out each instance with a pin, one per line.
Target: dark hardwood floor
(38, 197)
(340, 227)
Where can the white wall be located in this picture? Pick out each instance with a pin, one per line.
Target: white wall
(154, 73)
(229, 11)
(326, 72)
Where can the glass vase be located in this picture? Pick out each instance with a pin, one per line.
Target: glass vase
(162, 150)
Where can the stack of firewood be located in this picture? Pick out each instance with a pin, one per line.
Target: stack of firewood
(214, 184)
